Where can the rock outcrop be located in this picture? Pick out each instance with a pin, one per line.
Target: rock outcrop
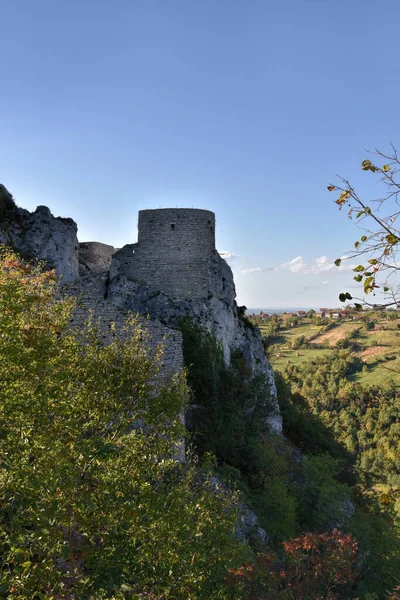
(215, 315)
(39, 235)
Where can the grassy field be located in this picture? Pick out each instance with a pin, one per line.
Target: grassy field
(379, 348)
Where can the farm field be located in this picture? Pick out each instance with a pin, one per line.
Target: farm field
(376, 343)
(339, 332)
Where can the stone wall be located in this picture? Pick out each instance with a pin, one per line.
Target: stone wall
(94, 257)
(90, 293)
(173, 252)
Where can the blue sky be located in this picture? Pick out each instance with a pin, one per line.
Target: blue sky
(245, 107)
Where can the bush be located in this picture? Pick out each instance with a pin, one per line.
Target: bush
(299, 342)
(7, 203)
(315, 566)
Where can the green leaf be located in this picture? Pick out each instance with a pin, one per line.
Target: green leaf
(342, 297)
(356, 244)
(359, 269)
(386, 288)
(386, 168)
(338, 261)
(359, 214)
(365, 165)
(373, 261)
(367, 210)
(392, 239)
(358, 278)
(368, 284)
(364, 238)
(349, 296)
(358, 306)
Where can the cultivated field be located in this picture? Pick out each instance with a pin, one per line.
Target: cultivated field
(378, 347)
(332, 336)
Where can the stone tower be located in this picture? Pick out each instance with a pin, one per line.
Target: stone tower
(174, 252)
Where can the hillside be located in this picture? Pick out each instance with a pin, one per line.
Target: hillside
(373, 337)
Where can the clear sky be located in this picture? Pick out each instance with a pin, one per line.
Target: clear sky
(245, 107)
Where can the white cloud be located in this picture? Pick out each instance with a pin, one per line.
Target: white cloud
(315, 267)
(295, 265)
(257, 270)
(228, 256)
(298, 265)
(254, 270)
(325, 282)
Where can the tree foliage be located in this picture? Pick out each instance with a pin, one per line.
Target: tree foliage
(364, 420)
(93, 502)
(378, 246)
(317, 566)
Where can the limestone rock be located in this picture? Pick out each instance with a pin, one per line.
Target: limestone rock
(218, 316)
(39, 235)
(248, 528)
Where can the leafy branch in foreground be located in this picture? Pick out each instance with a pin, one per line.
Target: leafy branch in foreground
(378, 220)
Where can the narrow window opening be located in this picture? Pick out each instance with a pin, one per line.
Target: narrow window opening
(173, 226)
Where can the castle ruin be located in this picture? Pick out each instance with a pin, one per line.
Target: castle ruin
(173, 251)
(172, 272)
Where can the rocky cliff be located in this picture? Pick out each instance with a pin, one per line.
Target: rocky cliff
(218, 314)
(40, 235)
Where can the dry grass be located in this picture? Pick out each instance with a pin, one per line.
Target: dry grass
(373, 351)
(334, 335)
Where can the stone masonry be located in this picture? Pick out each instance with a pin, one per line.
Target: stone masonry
(172, 253)
(94, 257)
(90, 292)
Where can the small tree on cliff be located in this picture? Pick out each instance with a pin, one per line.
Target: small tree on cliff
(89, 505)
(316, 566)
(378, 246)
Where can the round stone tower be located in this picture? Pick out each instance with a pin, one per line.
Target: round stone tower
(174, 251)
